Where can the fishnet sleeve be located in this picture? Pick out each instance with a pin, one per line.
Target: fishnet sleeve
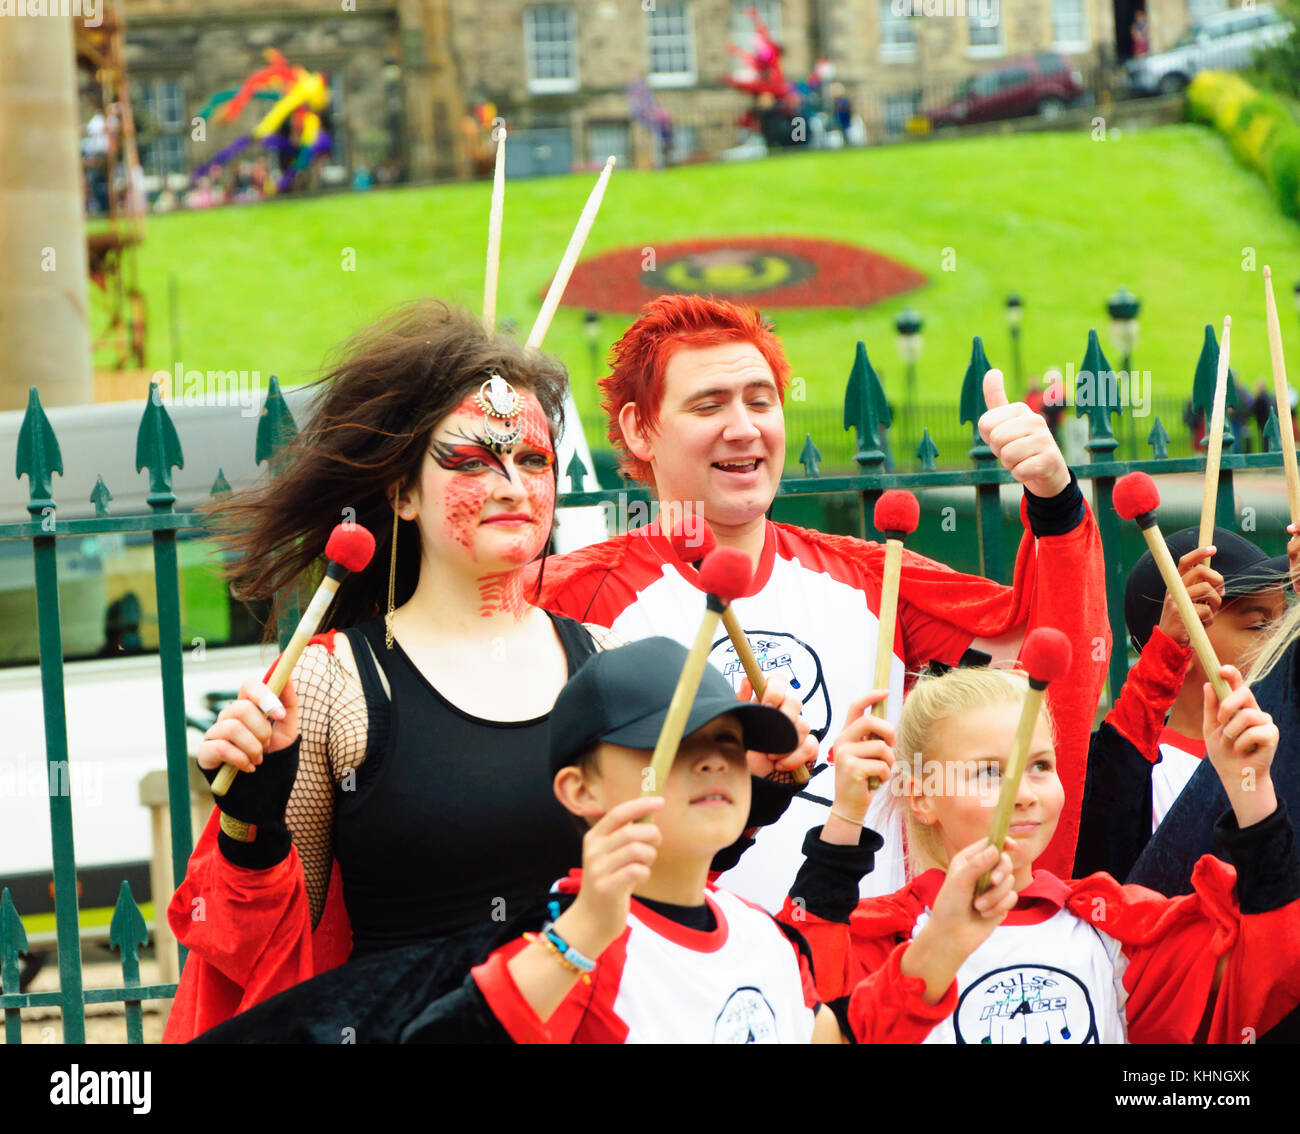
(603, 636)
(332, 722)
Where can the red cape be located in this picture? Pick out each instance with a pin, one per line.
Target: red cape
(1174, 948)
(248, 932)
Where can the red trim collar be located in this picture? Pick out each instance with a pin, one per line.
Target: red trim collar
(1043, 898)
(697, 940)
(1189, 744)
(663, 548)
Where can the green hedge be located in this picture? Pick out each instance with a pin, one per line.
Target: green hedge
(1259, 128)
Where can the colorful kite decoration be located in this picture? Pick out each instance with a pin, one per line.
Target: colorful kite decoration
(762, 72)
(293, 123)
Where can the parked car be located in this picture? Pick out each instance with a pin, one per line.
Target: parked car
(1225, 41)
(1043, 84)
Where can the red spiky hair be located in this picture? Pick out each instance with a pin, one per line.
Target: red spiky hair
(641, 357)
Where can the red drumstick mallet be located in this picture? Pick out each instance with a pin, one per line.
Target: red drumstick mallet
(723, 575)
(1045, 657)
(692, 540)
(896, 516)
(1137, 498)
(349, 548)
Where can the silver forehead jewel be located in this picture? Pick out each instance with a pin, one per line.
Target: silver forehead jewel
(498, 399)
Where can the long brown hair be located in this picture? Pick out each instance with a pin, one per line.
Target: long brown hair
(384, 392)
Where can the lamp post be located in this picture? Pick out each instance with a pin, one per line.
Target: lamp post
(1015, 315)
(1123, 308)
(908, 325)
(591, 321)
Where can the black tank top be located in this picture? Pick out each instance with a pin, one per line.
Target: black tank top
(451, 821)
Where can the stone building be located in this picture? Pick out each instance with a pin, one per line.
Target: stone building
(405, 72)
(396, 89)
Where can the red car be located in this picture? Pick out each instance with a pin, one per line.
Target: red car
(1043, 84)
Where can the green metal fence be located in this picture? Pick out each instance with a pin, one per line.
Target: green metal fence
(159, 451)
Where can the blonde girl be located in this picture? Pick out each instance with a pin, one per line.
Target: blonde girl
(1037, 958)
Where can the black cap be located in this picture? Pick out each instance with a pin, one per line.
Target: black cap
(622, 696)
(1245, 570)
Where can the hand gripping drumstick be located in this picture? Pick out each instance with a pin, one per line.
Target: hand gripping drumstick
(1137, 498)
(1045, 657)
(896, 515)
(1282, 395)
(349, 548)
(1214, 455)
(691, 544)
(723, 575)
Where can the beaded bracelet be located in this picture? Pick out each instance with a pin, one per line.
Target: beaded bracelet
(563, 956)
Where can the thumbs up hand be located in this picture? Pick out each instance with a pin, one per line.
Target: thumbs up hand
(1020, 439)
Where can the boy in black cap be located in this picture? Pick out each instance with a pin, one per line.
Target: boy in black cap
(1152, 740)
(647, 951)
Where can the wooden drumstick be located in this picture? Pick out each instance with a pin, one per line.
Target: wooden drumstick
(1045, 657)
(556, 291)
(494, 235)
(349, 548)
(1282, 395)
(723, 575)
(692, 543)
(1214, 454)
(896, 515)
(1137, 498)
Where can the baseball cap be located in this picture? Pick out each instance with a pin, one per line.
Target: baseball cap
(1245, 570)
(622, 696)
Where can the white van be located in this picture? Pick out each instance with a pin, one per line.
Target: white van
(112, 676)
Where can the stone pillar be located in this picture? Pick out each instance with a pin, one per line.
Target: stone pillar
(44, 332)
(435, 101)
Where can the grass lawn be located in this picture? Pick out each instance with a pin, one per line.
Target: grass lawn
(1060, 218)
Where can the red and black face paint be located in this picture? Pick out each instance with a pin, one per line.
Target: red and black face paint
(463, 449)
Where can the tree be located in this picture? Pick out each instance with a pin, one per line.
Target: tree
(1278, 68)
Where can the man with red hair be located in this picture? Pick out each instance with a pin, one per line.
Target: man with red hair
(694, 403)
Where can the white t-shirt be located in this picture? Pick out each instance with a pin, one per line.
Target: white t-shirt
(1169, 776)
(743, 981)
(811, 620)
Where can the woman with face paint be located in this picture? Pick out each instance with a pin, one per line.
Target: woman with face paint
(398, 791)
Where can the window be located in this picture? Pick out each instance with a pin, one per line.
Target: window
(742, 27)
(551, 48)
(985, 30)
(1198, 10)
(899, 108)
(1070, 25)
(1015, 77)
(897, 33)
(172, 154)
(158, 106)
(608, 138)
(671, 43)
(171, 104)
(686, 143)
